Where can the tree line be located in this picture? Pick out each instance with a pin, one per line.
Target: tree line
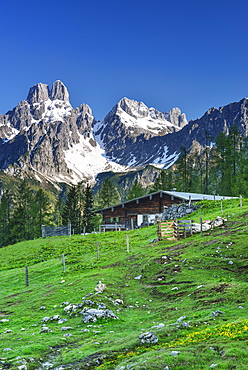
(219, 168)
(25, 210)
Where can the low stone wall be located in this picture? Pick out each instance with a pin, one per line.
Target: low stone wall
(178, 211)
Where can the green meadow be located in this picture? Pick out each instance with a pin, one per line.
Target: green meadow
(192, 294)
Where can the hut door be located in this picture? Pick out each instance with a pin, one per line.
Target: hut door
(132, 221)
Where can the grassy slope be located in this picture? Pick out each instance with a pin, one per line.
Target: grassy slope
(192, 278)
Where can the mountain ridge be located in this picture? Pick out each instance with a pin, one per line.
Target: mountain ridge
(46, 137)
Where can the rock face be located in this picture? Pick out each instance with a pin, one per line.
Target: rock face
(46, 136)
(132, 134)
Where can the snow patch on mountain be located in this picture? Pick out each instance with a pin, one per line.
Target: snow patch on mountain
(150, 124)
(86, 159)
(56, 110)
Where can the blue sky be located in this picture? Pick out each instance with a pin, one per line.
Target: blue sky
(190, 54)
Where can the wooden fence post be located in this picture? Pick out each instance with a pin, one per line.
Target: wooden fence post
(69, 229)
(43, 231)
(63, 262)
(240, 201)
(27, 283)
(127, 242)
(97, 250)
(159, 230)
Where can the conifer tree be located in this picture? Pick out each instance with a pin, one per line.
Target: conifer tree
(164, 181)
(135, 191)
(22, 220)
(108, 194)
(88, 215)
(72, 211)
(5, 214)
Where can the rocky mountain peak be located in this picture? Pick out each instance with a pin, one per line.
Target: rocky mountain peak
(133, 107)
(59, 91)
(177, 118)
(41, 92)
(38, 93)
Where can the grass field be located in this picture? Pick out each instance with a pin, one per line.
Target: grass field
(192, 294)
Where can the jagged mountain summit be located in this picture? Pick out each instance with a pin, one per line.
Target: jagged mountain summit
(44, 135)
(127, 130)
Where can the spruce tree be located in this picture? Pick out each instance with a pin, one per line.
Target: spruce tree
(135, 191)
(72, 211)
(88, 215)
(164, 181)
(108, 194)
(6, 206)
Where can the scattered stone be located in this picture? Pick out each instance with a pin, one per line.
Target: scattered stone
(7, 349)
(101, 306)
(89, 302)
(8, 331)
(100, 287)
(217, 313)
(42, 308)
(175, 353)
(22, 367)
(138, 277)
(45, 319)
(240, 307)
(118, 301)
(154, 240)
(55, 318)
(185, 325)
(71, 308)
(45, 329)
(62, 320)
(67, 335)
(230, 262)
(159, 326)
(64, 304)
(148, 337)
(213, 365)
(4, 320)
(92, 314)
(175, 288)
(66, 328)
(181, 318)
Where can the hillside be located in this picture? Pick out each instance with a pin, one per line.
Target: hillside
(191, 294)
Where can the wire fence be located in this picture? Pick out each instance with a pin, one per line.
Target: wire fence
(55, 230)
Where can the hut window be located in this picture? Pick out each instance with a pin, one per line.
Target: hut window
(111, 219)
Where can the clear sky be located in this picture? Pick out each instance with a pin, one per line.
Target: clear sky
(191, 54)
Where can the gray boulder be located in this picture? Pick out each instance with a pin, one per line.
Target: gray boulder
(148, 337)
(93, 314)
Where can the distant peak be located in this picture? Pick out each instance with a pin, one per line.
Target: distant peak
(59, 91)
(41, 92)
(37, 93)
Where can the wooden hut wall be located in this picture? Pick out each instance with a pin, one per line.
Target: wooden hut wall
(147, 205)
